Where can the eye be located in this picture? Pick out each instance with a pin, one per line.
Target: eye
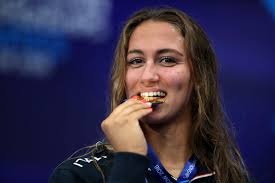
(168, 61)
(135, 62)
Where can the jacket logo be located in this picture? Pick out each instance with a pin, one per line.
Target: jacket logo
(79, 162)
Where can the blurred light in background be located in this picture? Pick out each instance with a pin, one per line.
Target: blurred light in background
(79, 18)
(30, 53)
(270, 6)
(34, 35)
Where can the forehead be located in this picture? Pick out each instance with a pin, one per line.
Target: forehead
(156, 35)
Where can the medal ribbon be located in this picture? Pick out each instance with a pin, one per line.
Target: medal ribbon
(188, 172)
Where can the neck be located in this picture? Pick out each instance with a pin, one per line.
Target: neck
(171, 143)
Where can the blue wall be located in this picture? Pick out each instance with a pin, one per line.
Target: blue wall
(54, 73)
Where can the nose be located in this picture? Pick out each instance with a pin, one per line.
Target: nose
(150, 74)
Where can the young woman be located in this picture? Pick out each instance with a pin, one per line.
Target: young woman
(164, 56)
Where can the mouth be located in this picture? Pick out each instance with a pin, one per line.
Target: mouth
(153, 97)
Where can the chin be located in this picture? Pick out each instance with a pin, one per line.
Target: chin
(154, 119)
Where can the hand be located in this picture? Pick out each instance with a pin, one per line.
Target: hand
(122, 127)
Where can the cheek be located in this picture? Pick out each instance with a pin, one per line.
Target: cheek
(179, 80)
(131, 80)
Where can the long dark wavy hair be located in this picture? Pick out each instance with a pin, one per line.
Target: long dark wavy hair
(213, 142)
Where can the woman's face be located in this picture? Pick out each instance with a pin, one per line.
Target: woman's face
(157, 62)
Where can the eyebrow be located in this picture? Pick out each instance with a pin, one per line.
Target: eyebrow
(161, 51)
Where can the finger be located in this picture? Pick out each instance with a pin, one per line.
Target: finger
(134, 108)
(122, 106)
(140, 113)
(127, 106)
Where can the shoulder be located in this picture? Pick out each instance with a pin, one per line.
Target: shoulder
(86, 168)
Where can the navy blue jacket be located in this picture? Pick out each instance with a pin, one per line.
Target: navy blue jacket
(119, 167)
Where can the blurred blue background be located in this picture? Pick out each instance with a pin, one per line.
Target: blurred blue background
(55, 58)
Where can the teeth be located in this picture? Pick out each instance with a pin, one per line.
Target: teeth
(153, 94)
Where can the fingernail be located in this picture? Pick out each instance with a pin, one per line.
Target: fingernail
(148, 103)
(134, 97)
